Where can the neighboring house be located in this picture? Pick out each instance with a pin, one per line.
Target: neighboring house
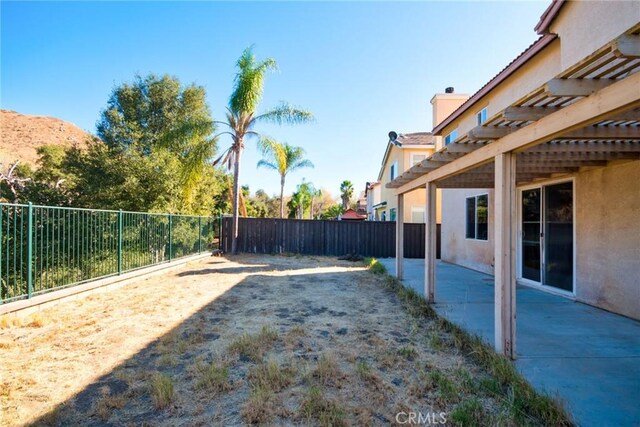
(372, 194)
(403, 152)
(361, 204)
(351, 215)
(542, 167)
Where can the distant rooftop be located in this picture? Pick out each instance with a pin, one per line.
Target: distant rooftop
(417, 138)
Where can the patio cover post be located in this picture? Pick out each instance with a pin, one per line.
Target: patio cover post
(400, 236)
(430, 244)
(505, 238)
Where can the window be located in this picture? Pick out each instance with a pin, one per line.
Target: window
(394, 170)
(392, 214)
(417, 158)
(451, 137)
(477, 217)
(482, 116)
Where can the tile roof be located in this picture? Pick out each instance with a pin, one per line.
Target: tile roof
(417, 138)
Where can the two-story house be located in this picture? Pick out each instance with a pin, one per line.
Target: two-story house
(403, 151)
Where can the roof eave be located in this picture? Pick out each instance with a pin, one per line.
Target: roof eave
(533, 50)
(548, 16)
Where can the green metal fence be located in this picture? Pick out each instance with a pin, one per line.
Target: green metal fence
(45, 247)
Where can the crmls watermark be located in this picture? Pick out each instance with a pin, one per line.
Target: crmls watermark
(416, 418)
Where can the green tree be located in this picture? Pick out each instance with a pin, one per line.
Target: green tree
(241, 119)
(346, 192)
(158, 115)
(332, 212)
(283, 158)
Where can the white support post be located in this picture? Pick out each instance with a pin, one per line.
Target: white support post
(430, 244)
(505, 238)
(400, 237)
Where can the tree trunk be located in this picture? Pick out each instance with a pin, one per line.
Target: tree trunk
(236, 199)
(282, 197)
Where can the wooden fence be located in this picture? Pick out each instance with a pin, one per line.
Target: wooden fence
(318, 237)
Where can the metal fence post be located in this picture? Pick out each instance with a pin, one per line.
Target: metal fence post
(30, 251)
(170, 239)
(120, 242)
(199, 234)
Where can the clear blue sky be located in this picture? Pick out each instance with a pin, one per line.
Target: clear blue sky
(363, 68)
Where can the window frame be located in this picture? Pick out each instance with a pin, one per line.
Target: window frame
(482, 116)
(451, 137)
(393, 170)
(476, 221)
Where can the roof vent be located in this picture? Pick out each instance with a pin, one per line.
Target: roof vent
(448, 90)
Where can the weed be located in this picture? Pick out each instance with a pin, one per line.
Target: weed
(408, 352)
(212, 377)
(470, 413)
(107, 403)
(254, 346)
(161, 388)
(36, 321)
(326, 412)
(270, 376)
(167, 360)
(363, 370)
(435, 340)
(327, 371)
(375, 266)
(260, 407)
(445, 387)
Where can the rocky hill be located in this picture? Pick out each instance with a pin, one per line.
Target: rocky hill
(22, 134)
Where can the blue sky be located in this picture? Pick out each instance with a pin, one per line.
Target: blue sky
(363, 68)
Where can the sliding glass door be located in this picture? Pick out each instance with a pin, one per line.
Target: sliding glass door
(546, 252)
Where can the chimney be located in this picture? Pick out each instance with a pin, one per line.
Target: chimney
(443, 104)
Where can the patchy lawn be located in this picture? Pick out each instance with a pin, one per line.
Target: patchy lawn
(256, 339)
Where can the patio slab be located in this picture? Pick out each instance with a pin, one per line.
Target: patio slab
(587, 357)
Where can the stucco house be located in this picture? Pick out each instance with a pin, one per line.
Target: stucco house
(402, 152)
(540, 168)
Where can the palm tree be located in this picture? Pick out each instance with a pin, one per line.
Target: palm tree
(242, 118)
(282, 158)
(346, 192)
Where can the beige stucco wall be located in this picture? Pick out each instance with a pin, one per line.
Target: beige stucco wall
(536, 72)
(608, 238)
(416, 198)
(456, 248)
(606, 21)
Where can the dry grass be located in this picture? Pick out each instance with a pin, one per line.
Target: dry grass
(317, 408)
(254, 346)
(161, 389)
(340, 346)
(213, 377)
(260, 407)
(108, 402)
(327, 371)
(271, 376)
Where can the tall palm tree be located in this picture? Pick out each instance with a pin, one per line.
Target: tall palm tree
(346, 192)
(282, 158)
(241, 119)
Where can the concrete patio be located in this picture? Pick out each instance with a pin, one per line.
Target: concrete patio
(587, 357)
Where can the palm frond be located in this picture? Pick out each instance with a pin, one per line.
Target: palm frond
(249, 82)
(285, 114)
(266, 164)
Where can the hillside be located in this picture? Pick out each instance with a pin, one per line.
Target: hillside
(22, 134)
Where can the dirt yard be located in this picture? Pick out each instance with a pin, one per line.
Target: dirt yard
(249, 339)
